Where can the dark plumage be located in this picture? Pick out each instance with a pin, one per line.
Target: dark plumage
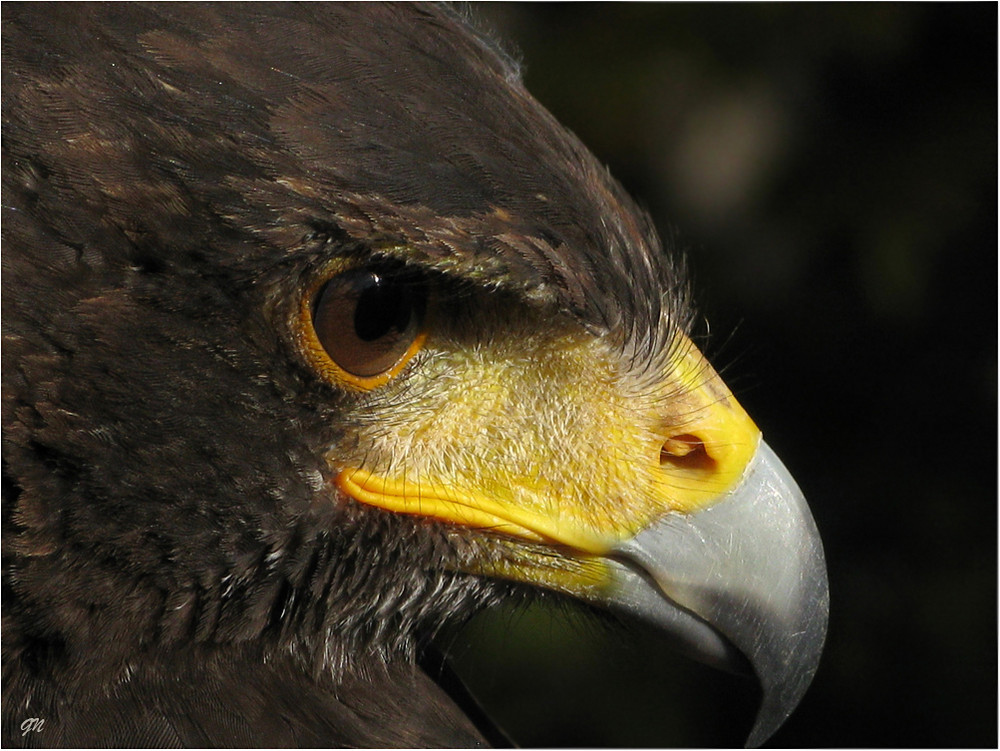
(179, 566)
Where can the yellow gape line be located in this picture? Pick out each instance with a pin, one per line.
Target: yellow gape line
(469, 509)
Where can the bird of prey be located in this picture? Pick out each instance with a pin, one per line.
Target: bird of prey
(320, 333)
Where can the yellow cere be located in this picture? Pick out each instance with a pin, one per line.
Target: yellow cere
(713, 441)
(550, 441)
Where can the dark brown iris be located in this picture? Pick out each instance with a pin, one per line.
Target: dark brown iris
(367, 319)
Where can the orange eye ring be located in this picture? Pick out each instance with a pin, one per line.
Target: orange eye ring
(359, 328)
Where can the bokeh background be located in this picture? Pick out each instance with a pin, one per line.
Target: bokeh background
(831, 173)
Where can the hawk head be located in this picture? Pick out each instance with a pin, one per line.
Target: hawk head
(320, 332)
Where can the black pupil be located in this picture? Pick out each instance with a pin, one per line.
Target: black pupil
(383, 306)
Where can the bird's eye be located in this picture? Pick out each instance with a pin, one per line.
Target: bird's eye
(369, 323)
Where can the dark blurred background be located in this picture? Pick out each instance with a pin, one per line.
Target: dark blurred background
(831, 173)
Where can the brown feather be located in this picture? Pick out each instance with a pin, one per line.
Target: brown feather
(171, 173)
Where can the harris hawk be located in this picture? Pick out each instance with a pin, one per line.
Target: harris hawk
(320, 333)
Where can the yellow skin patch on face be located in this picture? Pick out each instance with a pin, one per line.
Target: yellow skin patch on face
(549, 440)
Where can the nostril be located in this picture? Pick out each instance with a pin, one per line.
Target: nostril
(685, 451)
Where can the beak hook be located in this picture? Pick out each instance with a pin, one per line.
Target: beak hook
(746, 573)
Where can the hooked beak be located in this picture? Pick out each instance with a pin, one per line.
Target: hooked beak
(688, 520)
(740, 584)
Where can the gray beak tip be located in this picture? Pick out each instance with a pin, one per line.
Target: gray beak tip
(744, 578)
